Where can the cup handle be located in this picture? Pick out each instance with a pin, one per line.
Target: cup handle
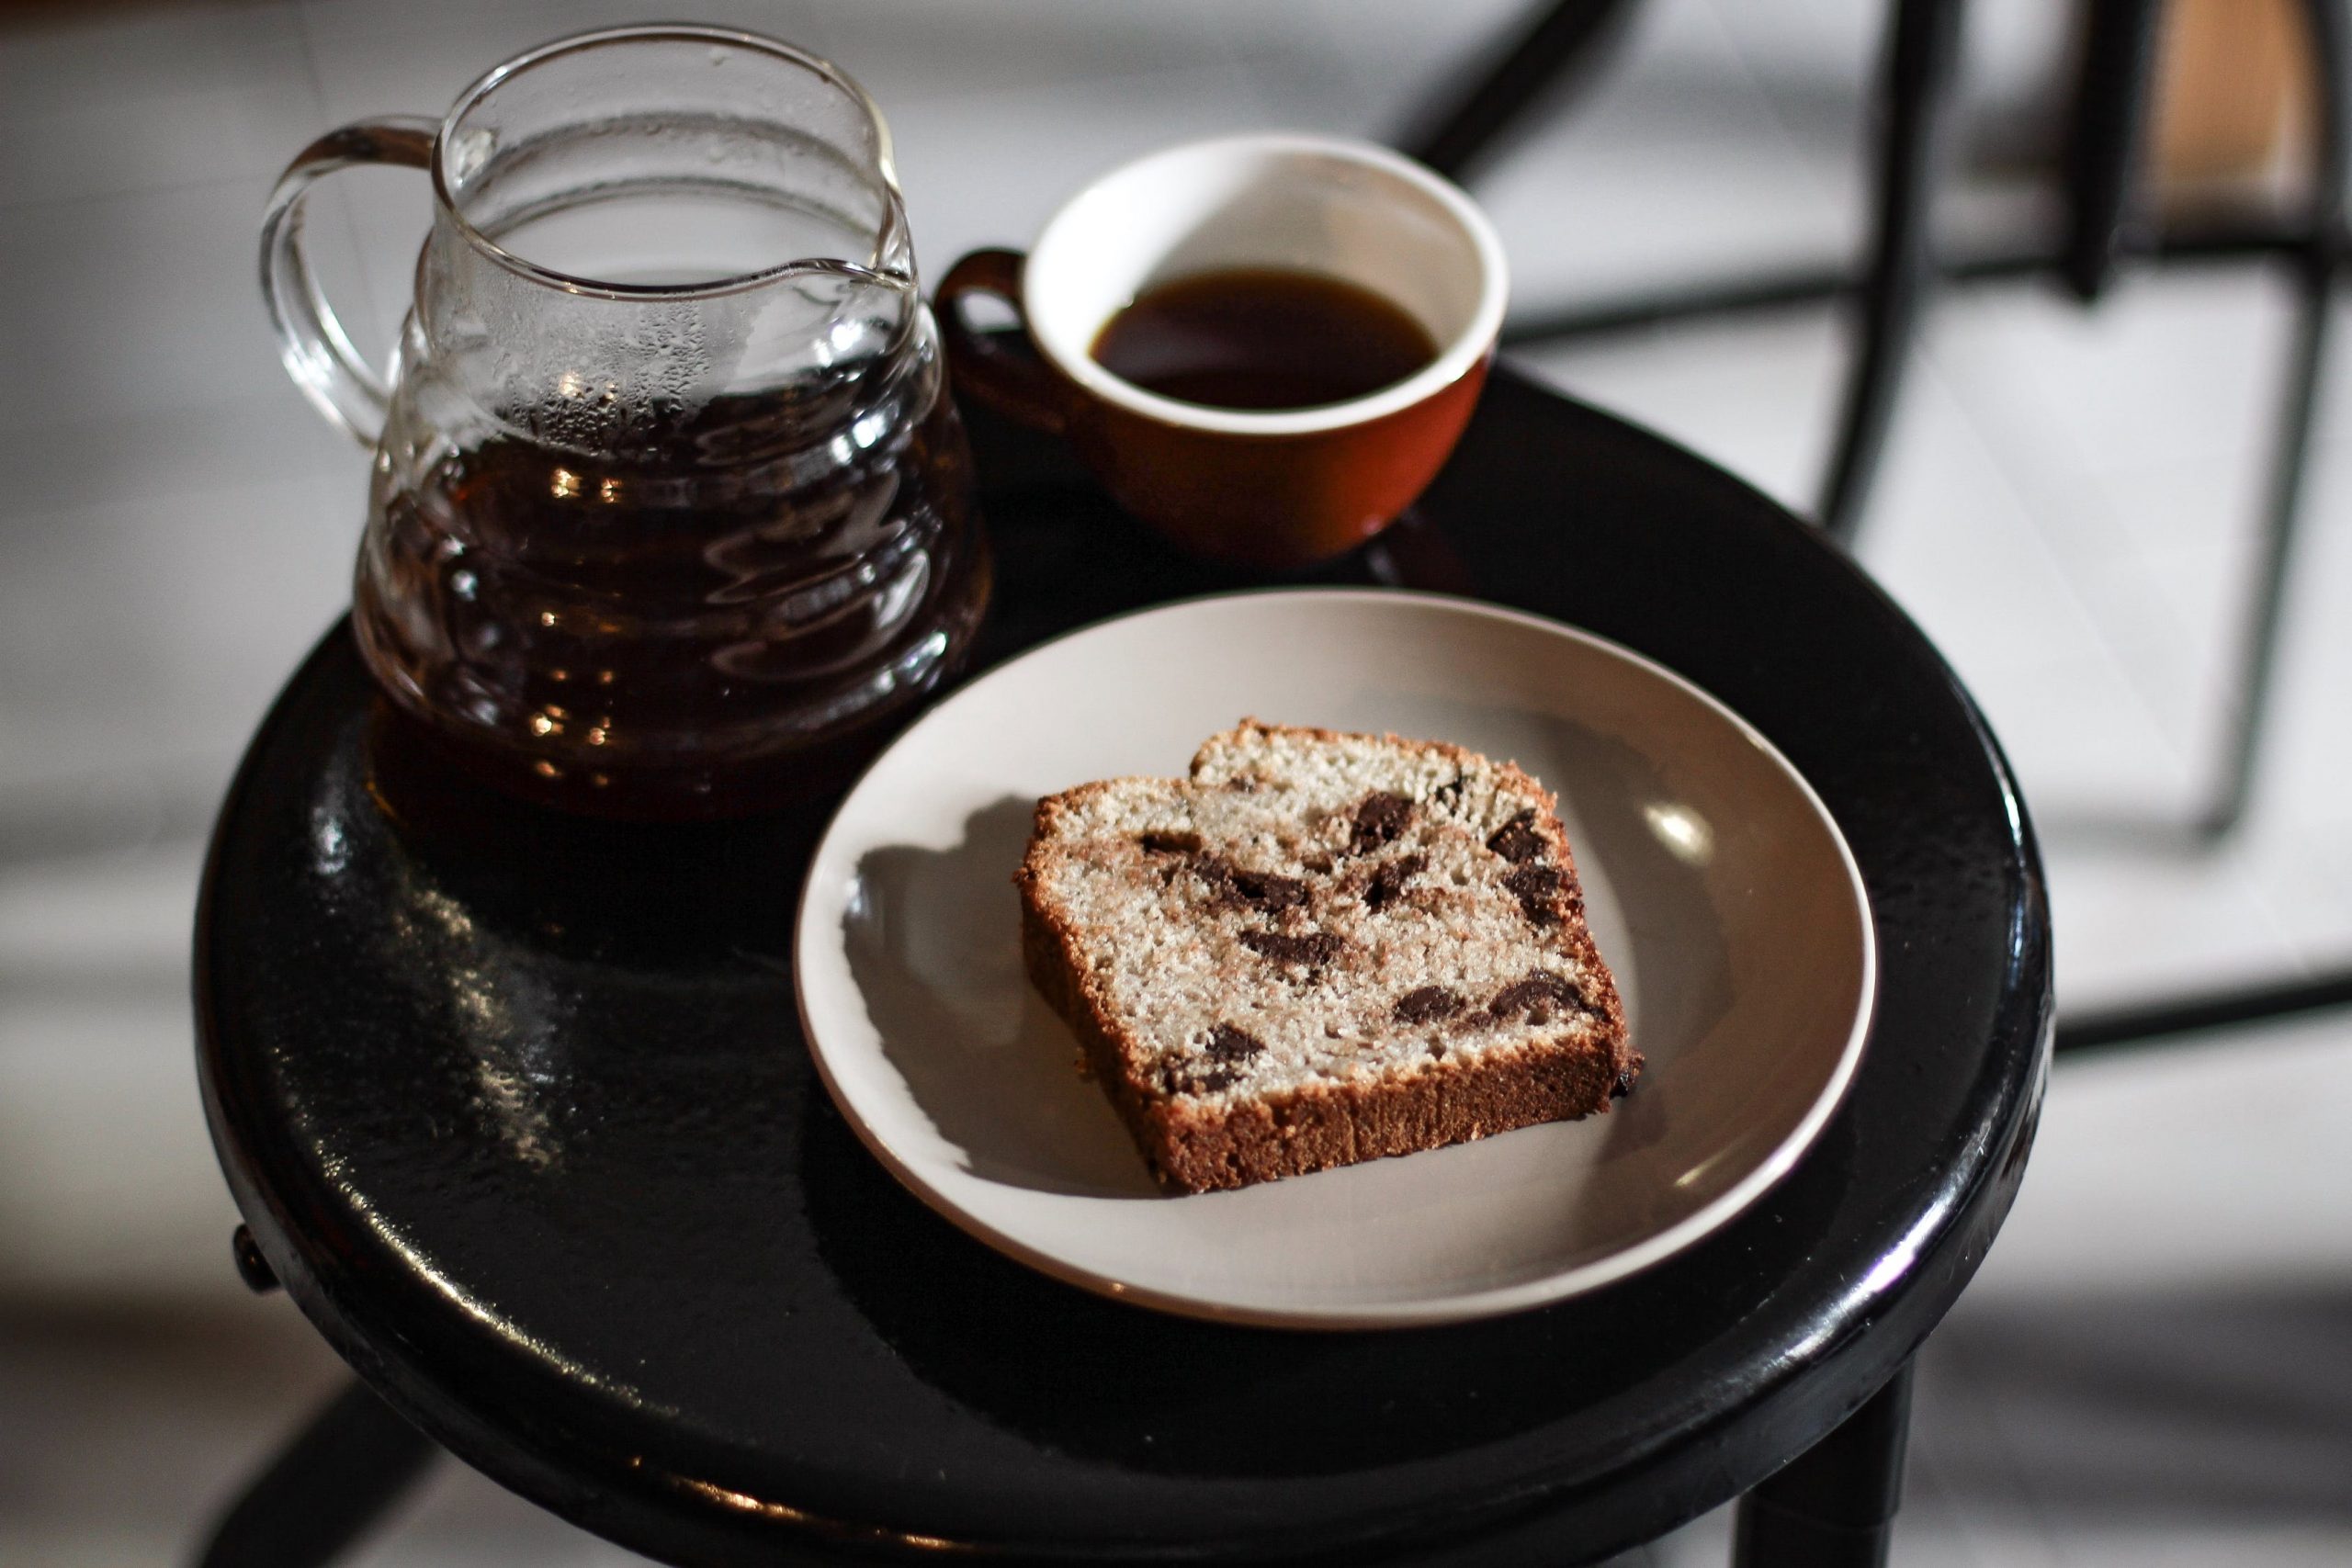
(1003, 371)
(316, 351)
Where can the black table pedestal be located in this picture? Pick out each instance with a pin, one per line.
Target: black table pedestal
(1834, 1505)
(337, 1477)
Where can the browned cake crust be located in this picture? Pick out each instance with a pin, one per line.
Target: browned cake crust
(1192, 1148)
(1197, 1143)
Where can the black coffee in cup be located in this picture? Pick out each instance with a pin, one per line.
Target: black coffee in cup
(1262, 338)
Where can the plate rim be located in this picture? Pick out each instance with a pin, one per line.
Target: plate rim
(1487, 1302)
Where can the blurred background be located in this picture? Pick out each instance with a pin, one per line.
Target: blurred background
(2155, 1366)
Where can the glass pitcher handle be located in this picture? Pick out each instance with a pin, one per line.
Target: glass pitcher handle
(316, 351)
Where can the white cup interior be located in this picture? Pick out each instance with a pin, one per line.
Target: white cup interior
(1323, 205)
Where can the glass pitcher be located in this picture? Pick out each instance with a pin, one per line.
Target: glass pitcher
(669, 506)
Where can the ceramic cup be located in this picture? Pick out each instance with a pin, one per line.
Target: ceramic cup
(1269, 488)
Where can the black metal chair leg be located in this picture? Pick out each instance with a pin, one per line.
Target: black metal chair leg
(337, 1476)
(2103, 149)
(1570, 34)
(1832, 1506)
(2182, 1017)
(2318, 264)
(1922, 61)
(2258, 635)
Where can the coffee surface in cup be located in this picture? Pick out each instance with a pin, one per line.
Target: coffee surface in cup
(1262, 338)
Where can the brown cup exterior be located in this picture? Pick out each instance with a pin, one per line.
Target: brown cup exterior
(1276, 500)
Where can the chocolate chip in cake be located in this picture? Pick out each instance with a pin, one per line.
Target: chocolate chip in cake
(1228, 1043)
(1271, 892)
(1537, 888)
(1517, 839)
(1170, 843)
(1537, 998)
(1217, 873)
(1379, 818)
(1179, 1078)
(1390, 879)
(1229, 884)
(1312, 948)
(1624, 1086)
(1425, 1005)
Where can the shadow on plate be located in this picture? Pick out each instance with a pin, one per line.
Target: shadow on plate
(933, 940)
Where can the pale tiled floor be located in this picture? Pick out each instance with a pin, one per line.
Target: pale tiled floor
(2155, 1366)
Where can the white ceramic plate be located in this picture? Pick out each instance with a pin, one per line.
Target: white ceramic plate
(1719, 891)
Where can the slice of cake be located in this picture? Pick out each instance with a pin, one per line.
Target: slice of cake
(1320, 949)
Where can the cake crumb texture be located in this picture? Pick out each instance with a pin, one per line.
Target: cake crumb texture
(1318, 949)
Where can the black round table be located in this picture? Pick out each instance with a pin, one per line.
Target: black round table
(523, 1121)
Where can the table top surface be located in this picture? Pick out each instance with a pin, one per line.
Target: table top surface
(528, 1128)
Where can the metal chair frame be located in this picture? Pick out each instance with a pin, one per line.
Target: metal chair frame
(2104, 232)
